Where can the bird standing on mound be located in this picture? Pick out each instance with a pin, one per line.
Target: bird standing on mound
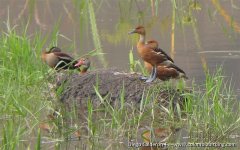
(165, 72)
(155, 59)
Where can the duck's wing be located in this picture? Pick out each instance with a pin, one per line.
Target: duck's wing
(65, 61)
(176, 67)
(159, 50)
(64, 57)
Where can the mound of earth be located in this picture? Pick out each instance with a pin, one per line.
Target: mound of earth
(115, 87)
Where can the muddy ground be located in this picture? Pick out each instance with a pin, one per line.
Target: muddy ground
(111, 85)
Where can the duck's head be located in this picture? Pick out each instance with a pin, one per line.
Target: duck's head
(47, 52)
(153, 44)
(83, 62)
(139, 30)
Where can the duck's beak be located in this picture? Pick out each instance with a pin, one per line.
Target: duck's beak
(131, 32)
(79, 63)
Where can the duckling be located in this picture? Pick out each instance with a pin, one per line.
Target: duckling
(154, 56)
(84, 63)
(58, 60)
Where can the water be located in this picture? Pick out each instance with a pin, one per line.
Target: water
(115, 18)
(211, 39)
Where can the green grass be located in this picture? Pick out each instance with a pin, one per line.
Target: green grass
(212, 112)
(95, 35)
(26, 98)
(210, 115)
(22, 87)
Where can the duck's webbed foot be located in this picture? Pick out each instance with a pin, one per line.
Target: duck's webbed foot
(143, 78)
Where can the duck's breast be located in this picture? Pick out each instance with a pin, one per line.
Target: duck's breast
(51, 60)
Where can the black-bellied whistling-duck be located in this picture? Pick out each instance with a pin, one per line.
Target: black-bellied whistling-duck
(154, 56)
(58, 60)
(84, 63)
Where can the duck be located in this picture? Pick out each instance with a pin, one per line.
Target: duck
(84, 64)
(153, 44)
(58, 60)
(164, 72)
(152, 55)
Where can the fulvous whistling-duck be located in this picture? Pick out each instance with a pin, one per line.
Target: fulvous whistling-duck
(164, 72)
(154, 56)
(84, 63)
(58, 60)
(154, 45)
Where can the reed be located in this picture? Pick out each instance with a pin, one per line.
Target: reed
(209, 115)
(95, 35)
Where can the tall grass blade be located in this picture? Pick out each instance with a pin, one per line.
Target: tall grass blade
(235, 25)
(131, 61)
(95, 35)
(38, 144)
(173, 29)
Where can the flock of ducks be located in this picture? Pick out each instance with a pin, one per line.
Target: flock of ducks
(156, 61)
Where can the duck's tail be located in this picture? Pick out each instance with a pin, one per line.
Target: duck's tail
(182, 75)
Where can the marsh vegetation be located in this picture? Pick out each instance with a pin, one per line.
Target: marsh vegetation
(202, 37)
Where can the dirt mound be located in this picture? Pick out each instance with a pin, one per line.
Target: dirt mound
(114, 87)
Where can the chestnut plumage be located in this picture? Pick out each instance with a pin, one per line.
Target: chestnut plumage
(155, 59)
